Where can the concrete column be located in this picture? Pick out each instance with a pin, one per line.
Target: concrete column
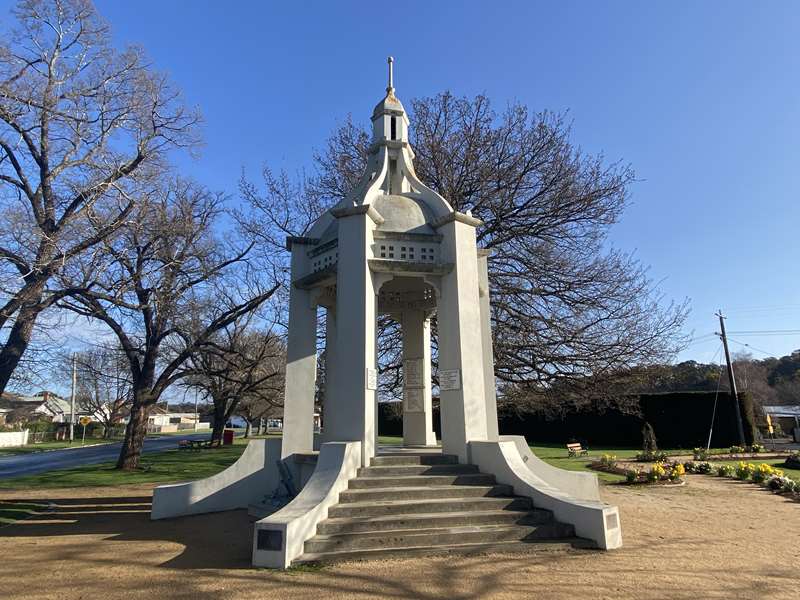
(461, 381)
(353, 416)
(331, 371)
(417, 405)
(489, 389)
(301, 364)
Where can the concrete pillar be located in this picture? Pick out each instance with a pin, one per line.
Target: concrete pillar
(417, 405)
(489, 388)
(301, 363)
(461, 381)
(331, 372)
(353, 417)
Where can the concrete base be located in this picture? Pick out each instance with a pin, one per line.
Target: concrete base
(592, 519)
(243, 483)
(279, 538)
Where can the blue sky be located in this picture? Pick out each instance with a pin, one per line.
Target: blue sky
(702, 98)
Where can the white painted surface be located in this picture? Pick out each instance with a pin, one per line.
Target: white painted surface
(489, 386)
(583, 486)
(463, 410)
(246, 481)
(13, 438)
(301, 363)
(297, 522)
(592, 519)
(417, 403)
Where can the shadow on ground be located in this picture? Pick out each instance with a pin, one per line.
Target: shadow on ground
(127, 518)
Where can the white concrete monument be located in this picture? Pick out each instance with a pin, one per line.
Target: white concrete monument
(392, 247)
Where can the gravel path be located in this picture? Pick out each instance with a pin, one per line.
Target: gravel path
(709, 539)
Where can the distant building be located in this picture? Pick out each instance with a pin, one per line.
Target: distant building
(45, 404)
(786, 417)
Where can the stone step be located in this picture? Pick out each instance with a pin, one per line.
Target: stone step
(421, 480)
(486, 534)
(414, 459)
(414, 507)
(511, 547)
(430, 492)
(403, 470)
(431, 520)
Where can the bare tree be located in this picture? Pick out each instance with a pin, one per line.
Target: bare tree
(103, 383)
(566, 309)
(167, 286)
(79, 124)
(240, 371)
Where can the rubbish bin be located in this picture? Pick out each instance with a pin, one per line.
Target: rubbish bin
(227, 437)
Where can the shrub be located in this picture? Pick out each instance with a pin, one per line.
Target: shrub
(725, 471)
(689, 467)
(631, 475)
(756, 449)
(762, 472)
(703, 468)
(793, 460)
(608, 460)
(700, 454)
(736, 450)
(782, 484)
(656, 472)
(676, 472)
(744, 471)
(656, 456)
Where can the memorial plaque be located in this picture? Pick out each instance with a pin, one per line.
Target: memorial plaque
(372, 379)
(412, 372)
(414, 400)
(450, 379)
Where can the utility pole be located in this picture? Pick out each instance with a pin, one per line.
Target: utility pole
(72, 401)
(730, 377)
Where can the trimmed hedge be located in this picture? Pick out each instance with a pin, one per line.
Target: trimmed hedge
(680, 420)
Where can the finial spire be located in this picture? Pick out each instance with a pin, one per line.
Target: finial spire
(390, 88)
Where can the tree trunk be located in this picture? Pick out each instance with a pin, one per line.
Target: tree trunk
(134, 437)
(219, 424)
(20, 335)
(248, 428)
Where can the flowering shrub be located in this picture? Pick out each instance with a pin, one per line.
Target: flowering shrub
(676, 472)
(703, 468)
(651, 456)
(700, 454)
(783, 484)
(756, 449)
(656, 472)
(632, 475)
(725, 471)
(764, 472)
(744, 471)
(608, 460)
(736, 450)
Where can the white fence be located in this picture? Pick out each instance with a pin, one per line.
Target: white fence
(13, 438)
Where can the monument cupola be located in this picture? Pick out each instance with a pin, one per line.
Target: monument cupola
(389, 120)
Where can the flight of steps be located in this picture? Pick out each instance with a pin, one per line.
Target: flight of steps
(419, 504)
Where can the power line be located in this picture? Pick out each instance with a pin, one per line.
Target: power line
(753, 348)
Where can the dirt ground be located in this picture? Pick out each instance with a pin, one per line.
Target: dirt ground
(709, 539)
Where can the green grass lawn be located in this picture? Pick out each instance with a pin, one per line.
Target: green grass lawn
(14, 511)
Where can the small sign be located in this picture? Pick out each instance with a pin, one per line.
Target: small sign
(372, 379)
(412, 372)
(85, 421)
(450, 379)
(414, 400)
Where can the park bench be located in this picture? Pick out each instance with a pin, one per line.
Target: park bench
(577, 450)
(197, 444)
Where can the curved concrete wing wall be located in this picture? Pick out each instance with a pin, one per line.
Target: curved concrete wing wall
(245, 482)
(279, 538)
(592, 520)
(583, 486)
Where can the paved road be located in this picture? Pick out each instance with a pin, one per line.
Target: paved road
(38, 462)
